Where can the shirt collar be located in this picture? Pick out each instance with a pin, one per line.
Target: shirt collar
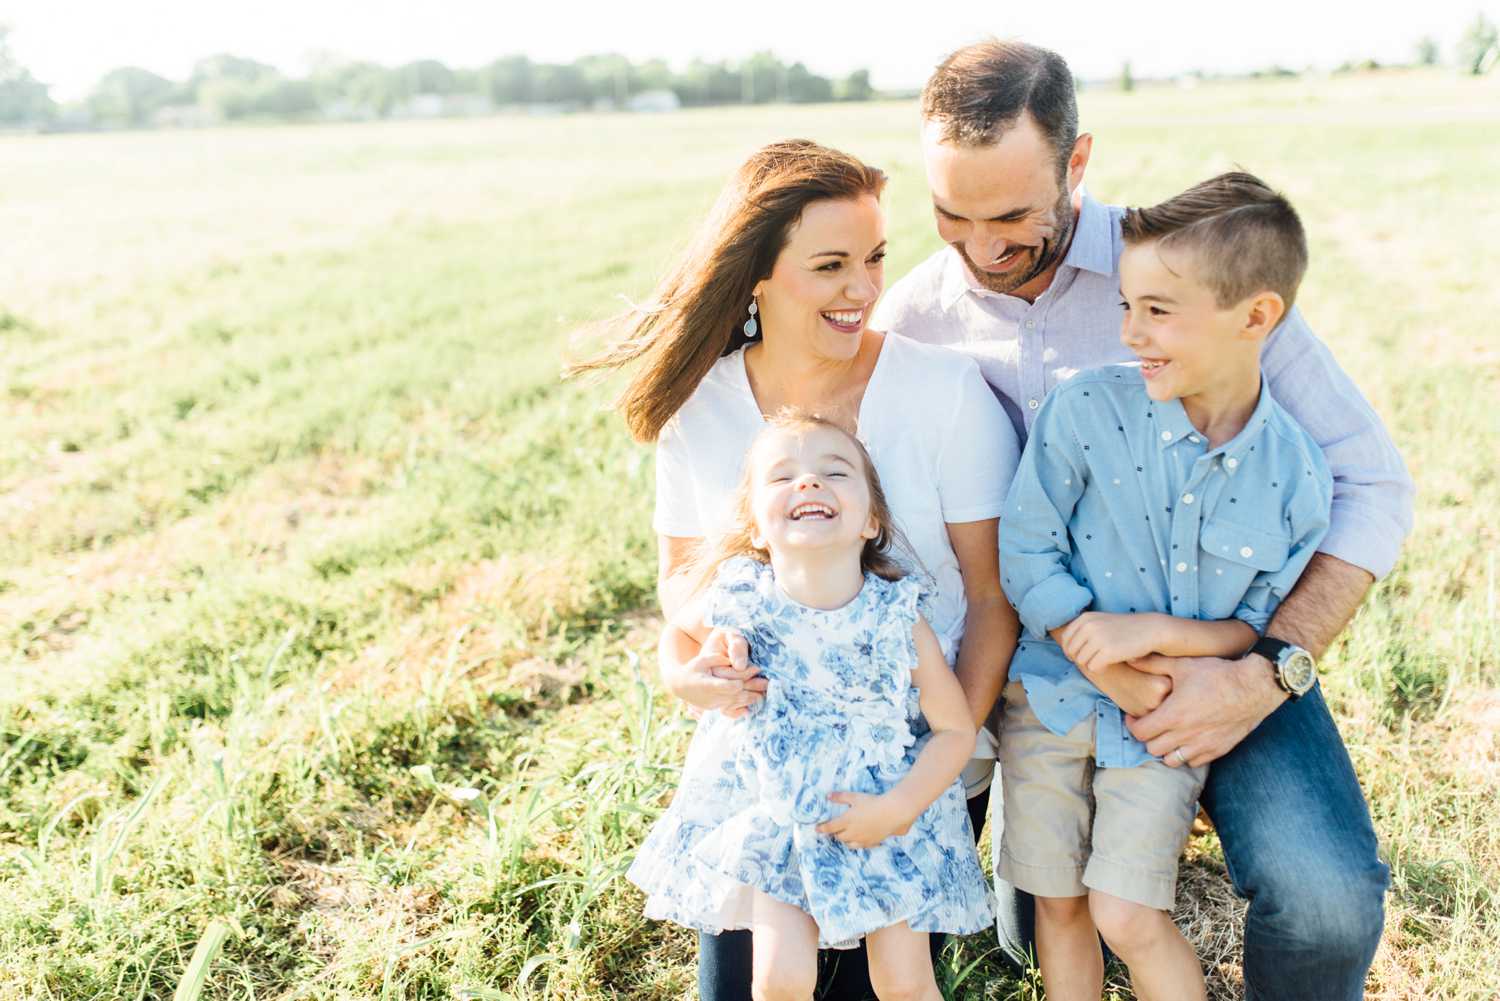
(957, 281)
(1171, 424)
(1233, 452)
(1092, 249)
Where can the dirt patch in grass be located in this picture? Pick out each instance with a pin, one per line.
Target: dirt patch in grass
(348, 922)
(1472, 746)
(487, 621)
(247, 530)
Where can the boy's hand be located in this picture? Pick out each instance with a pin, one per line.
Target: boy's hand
(721, 677)
(1134, 691)
(868, 821)
(1095, 640)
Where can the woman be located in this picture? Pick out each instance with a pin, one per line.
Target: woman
(767, 311)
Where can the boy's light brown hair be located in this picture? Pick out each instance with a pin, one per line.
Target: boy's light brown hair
(1244, 237)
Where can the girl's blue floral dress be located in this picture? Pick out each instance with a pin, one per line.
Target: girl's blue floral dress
(838, 716)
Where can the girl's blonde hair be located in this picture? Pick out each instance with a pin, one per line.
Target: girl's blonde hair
(874, 558)
(698, 311)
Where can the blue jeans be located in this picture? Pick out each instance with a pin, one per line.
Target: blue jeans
(1299, 845)
(724, 966)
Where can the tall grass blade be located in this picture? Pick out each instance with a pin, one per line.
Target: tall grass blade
(102, 865)
(190, 987)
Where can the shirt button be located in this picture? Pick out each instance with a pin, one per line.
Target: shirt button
(1182, 568)
(1030, 324)
(1033, 404)
(1193, 439)
(1187, 498)
(1231, 463)
(1247, 552)
(1166, 436)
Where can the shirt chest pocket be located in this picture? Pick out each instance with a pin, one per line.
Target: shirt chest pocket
(1232, 555)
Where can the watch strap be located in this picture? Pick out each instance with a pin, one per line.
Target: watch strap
(1271, 648)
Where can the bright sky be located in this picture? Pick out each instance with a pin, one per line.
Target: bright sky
(69, 44)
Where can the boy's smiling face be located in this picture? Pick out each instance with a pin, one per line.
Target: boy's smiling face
(1187, 343)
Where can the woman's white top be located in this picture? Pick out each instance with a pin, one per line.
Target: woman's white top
(942, 445)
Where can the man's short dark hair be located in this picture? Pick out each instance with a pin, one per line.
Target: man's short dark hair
(979, 92)
(1244, 237)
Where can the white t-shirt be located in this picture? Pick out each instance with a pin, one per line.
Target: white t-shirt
(941, 443)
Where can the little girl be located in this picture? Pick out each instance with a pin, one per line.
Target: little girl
(819, 818)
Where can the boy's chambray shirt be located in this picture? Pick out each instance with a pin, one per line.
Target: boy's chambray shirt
(1119, 505)
(1027, 349)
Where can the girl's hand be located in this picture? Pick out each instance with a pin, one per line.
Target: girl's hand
(720, 677)
(868, 821)
(1096, 640)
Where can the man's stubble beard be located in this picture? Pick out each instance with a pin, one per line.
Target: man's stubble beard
(1051, 252)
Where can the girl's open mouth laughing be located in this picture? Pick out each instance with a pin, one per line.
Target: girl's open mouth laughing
(812, 510)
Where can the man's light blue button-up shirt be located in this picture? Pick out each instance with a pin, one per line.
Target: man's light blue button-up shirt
(1120, 505)
(1027, 349)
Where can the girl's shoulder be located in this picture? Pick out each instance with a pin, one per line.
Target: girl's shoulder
(740, 573)
(899, 599)
(739, 591)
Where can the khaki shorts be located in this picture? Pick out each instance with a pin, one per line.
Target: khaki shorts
(1071, 827)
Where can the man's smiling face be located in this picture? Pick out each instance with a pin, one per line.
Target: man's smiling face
(1002, 205)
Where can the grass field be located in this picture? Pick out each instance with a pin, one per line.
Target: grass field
(323, 602)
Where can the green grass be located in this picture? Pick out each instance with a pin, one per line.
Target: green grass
(322, 599)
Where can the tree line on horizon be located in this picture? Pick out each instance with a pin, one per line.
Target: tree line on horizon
(230, 88)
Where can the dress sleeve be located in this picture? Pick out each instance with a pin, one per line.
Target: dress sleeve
(979, 453)
(677, 510)
(899, 608)
(733, 598)
(1034, 549)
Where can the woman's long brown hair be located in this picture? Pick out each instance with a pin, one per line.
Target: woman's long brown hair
(697, 313)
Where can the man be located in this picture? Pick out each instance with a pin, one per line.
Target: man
(1029, 286)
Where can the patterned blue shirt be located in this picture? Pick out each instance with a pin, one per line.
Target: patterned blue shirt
(1119, 505)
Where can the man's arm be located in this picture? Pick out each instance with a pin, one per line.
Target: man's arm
(990, 624)
(1372, 489)
(1321, 604)
(1215, 703)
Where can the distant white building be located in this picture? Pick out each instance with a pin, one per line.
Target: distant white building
(419, 106)
(443, 106)
(344, 109)
(654, 100)
(182, 116)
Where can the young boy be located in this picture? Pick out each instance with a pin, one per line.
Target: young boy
(1166, 508)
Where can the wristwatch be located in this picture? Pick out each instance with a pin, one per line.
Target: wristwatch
(1296, 671)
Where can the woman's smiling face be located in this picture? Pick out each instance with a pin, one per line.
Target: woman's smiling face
(825, 282)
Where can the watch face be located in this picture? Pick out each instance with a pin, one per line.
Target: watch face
(1298, 671)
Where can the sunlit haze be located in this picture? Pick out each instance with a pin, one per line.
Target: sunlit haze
(69, 44)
